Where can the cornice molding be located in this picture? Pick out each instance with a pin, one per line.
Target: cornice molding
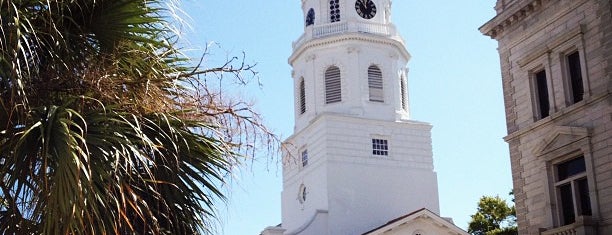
(511, 16)
(549, 46)
(424, 215)
(558, 137)
(321, 42)
(537, 126)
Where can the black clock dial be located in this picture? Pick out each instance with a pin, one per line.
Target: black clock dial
(365, 8)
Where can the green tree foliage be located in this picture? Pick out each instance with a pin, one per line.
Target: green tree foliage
(493, 217)
(105, 127)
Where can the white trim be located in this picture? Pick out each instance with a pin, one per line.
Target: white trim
(309, 222)
(425, 214)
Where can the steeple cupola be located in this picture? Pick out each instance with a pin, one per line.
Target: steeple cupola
(350, 60)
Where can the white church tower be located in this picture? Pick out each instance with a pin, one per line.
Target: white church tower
(356, 160)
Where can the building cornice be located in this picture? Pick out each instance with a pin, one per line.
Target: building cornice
(550, 120)
(355, 119)
(363, 37)
(540, 50)
(511, 16)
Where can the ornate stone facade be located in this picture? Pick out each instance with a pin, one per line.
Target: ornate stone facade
(556, 63)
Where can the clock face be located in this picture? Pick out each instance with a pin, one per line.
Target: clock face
(365, 8)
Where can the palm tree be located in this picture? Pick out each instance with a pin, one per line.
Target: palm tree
(104, 126)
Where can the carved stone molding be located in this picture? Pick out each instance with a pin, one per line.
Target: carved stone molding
(510, 17)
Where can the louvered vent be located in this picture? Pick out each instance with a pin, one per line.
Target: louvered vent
(302, 97)
(375, 83)
(333, 88)
(404, 94)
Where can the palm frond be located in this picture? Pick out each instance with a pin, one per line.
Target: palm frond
(111, 171)
(104, 127)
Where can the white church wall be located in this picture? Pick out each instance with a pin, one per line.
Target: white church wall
(371, 190)
(296, 213)
(372, 203)
(351, 178)
(313, 176)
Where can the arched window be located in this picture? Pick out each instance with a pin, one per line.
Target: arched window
(310, 17)
(419, 232)
(304, 158)
(375, 83)
(334, 10)
(302, 96)
(333, 88)
(404, 92)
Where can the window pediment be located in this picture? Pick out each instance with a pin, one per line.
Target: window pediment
(560, 137)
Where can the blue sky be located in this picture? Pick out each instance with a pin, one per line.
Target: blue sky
(454, 84)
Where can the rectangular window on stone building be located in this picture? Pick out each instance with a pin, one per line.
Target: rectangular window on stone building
(574, 71)
(572, 190)
(542, 104)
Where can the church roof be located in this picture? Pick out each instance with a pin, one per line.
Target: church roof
(410, 217)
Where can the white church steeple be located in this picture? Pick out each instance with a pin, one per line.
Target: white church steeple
(360, 56)
(355, 160)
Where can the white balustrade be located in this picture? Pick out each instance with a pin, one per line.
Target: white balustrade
(320, 31)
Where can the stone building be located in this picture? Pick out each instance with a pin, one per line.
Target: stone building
(356, 161)
(556, 63)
